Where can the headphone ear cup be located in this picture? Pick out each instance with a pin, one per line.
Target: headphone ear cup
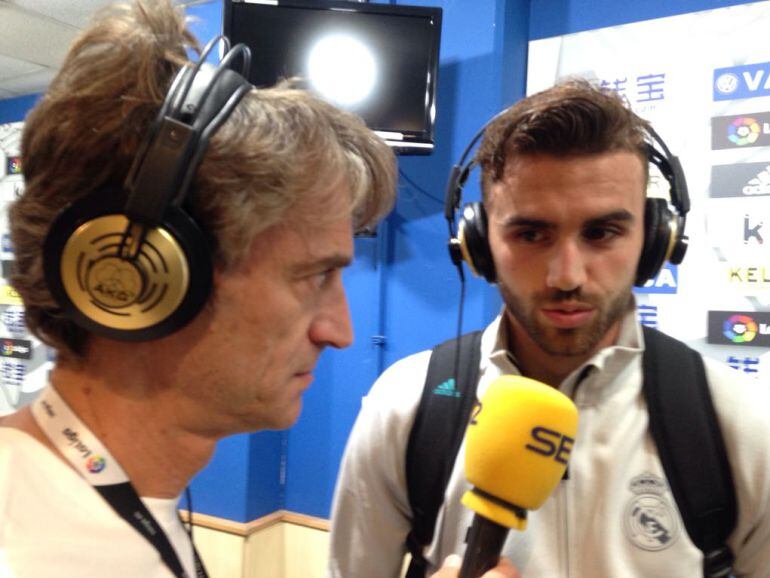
(657, 239)
(131, 300)
(474, 241)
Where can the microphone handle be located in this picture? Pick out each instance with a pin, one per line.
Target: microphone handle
(485, 542)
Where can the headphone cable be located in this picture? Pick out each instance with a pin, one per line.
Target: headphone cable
(417, 187)
(189, 526)
(460, 311)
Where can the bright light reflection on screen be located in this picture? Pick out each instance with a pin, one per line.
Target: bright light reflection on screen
(342, 69)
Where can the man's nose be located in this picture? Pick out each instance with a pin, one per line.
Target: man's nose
(566, 267)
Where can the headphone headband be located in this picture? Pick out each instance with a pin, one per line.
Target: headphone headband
(671, 168)
(199, 101)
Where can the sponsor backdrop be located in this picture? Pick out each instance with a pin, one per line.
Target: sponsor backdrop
(709, 98)
(24, 361)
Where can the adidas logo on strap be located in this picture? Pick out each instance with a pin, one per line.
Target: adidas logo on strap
(447, 388)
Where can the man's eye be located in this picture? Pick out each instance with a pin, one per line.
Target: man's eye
(322, 277)
(530, 235)
(600, 233)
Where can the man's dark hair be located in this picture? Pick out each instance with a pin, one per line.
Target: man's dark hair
(572, 118)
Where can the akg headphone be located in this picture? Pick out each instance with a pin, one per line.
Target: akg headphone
(664, 238)
(131, 263)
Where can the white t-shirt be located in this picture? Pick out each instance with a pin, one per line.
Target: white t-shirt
(54, 525)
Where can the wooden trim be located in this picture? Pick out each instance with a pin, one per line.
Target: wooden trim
(306, 521)
(215, 523)
(247, 529)
(264, 522)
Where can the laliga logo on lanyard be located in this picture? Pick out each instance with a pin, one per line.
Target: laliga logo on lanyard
(95, 464)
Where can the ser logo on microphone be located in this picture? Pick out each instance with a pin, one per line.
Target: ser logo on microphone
(550, 443)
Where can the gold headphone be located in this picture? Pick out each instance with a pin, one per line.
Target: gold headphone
(130, 262)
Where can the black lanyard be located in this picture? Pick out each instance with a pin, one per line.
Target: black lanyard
(97, 466)
(127, 504)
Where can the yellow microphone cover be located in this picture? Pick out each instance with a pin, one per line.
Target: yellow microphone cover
(517, 446)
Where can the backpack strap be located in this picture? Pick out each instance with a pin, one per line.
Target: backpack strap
(684, 425)
(438, 431)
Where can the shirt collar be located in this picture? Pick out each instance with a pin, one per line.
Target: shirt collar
(595, 377)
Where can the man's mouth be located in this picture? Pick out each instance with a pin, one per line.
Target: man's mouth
(568, 315)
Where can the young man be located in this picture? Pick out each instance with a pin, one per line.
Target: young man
(564, 178)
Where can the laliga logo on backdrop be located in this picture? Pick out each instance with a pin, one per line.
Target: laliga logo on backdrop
(14, 165)
(17, 348)
(7, 348)
(743, 131)
(740, 328)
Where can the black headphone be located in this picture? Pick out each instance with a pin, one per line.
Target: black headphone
(664, 238)
(130, 262)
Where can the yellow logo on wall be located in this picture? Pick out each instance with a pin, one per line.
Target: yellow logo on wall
(753, 277)
(9, 296)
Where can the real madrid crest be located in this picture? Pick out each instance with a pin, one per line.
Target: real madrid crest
(651, 521)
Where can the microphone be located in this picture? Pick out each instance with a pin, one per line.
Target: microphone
(519, 439)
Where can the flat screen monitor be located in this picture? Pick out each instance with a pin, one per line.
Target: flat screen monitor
(379, 61)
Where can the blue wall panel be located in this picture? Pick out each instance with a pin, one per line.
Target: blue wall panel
(316, 442)
(264, 479)
(228, 472)
(15, 109)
